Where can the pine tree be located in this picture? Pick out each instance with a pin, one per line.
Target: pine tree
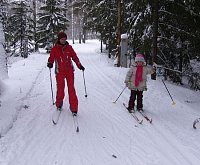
(140, 19)
(52, 20)
(102, 19)
(78, 11)
(178, 38)
(19, 29)
(178, 34)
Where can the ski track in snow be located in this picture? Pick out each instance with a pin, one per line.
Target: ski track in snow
(108, 134)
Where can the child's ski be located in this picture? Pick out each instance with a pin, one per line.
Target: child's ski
(134, 116)
(146, 117)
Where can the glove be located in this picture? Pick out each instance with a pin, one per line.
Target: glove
(81, 68)
(50, 65)
(127, 83)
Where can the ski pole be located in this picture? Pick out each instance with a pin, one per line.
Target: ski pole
(51, 87)
(84, 84)
(173, 102)
(119, 95)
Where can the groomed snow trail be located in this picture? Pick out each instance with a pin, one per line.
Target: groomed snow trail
(108, 134)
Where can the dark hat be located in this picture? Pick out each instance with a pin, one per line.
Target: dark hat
(62, 35)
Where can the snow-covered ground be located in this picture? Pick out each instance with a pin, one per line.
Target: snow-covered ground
(108, 135)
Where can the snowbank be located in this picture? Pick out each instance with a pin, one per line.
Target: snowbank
(22, 76)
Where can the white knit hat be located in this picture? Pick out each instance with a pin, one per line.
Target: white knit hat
(139, 57)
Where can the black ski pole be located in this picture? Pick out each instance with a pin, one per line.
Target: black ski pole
(173, 102)
(119, 95)
(51, 87)
(84, 84)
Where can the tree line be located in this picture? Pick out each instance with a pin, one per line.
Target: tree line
(27, 28)
(177, 32)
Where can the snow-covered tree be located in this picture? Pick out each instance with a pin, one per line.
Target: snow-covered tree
(3, 57)
(178, 34)
(19, 29)
(101, 18)
(52, 20)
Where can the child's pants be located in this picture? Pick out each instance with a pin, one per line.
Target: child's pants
(134, 94)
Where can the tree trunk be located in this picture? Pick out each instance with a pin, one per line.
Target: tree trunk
(36, 48)
(72, 24)
(119, 34)
(3, 57)
(155, 35)
(84, 35)
(110, 35)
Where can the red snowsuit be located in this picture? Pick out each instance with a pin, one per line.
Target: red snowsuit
(62, 56)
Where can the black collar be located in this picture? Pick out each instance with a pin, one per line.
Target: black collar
(66, 43)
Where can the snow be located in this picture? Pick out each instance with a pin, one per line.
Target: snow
(108, 135)
(124, 36)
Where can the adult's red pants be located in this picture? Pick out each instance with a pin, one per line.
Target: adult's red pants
(73, 101)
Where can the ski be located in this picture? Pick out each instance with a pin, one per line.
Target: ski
(195, 122)
(75, 122)
(134, 116)
(56, 117)
(145, 116)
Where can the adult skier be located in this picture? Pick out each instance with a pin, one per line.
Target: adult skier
(62, 54)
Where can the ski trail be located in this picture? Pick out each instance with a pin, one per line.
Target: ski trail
(108, 133)
(170, 130)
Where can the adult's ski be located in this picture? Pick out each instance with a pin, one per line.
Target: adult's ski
(195, 122)
(145, 116)
(134, 116)
(75, 122)
(56, 116)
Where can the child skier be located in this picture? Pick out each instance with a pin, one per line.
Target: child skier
(135, 80)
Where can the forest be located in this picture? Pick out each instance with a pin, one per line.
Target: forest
(166, 32)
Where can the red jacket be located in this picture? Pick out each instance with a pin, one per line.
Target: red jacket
(62, 56)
